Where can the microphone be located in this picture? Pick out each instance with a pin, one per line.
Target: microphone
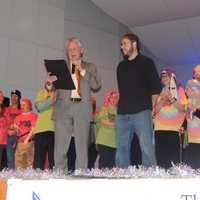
(73, 68)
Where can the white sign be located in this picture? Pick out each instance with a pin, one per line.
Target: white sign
(104, 189)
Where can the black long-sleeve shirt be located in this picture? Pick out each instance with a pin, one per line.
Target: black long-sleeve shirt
(137, 81)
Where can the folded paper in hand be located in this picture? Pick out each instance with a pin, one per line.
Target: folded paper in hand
(60, 70)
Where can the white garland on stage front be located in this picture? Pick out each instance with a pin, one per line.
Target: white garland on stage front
(177, 171)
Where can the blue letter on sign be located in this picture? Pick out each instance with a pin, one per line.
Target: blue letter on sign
(35, 197)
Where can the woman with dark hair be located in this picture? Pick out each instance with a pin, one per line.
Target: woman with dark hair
(12, 112)
(169, 116)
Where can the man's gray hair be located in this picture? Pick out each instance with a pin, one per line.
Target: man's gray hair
(74, 39)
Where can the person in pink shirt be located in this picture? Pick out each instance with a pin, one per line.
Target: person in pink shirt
(11, 112)
(3, 127)
(24, 124)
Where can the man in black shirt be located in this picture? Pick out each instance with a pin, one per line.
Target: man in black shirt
(139, 86)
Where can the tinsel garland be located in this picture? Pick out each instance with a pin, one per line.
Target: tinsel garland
(177, 171)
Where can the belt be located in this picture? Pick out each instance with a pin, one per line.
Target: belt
(75, 99)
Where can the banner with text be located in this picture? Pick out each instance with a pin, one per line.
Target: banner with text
(104, 189)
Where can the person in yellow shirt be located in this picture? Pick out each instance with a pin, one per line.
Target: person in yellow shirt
(44, 128)
(105, 123)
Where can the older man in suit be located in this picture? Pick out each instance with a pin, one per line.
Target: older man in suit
(73, 108)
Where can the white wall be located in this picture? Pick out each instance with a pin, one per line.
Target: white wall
(175, 43)
(184, 72)
(30, 30)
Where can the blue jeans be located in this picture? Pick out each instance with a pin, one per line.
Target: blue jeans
(128, 124)
(10, 150)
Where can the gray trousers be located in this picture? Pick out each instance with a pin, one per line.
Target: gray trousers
(72, 119)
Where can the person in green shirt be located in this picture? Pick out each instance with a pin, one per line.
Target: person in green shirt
(105, 124)
(44, 129)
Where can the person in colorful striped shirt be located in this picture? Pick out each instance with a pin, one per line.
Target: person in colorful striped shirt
(169, 116)
(193, 122)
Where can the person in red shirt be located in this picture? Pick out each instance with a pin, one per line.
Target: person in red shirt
(3, 127)
(11, 112)
(24, 124)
